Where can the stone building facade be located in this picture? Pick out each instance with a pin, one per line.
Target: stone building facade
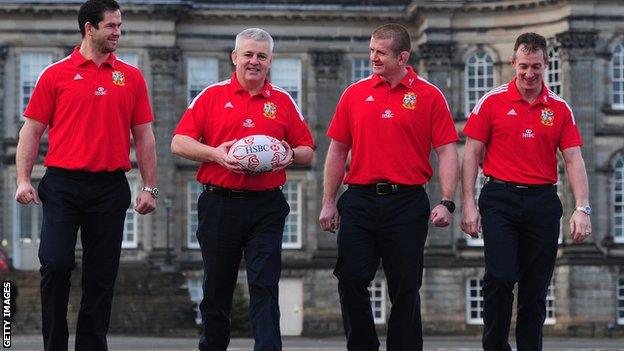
(322, 46)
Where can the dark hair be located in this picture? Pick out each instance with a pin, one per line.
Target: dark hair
(400, 36)
(92, 11)
(532, 42)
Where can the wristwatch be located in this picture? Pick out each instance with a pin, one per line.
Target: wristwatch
(153, 191)
(450, 205)
(586, 209)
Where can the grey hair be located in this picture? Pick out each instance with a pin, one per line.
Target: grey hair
(256, 34)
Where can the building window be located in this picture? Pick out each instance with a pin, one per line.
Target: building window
(129, 58)
(474, 301)
(550, 303)
(292, 228)
(620, 301)
(479, 79)
(200, 73)
(361, 68)
(193, 190)
(377, 291)
(286, 74)
(618, 200)
(617, 76)
(131, 226)
(31, 66)
(481, 179)
(195, 291)
(553, 74)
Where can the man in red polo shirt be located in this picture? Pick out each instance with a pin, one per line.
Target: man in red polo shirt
(389, 121)
(516, 129)
(241, 213)
(91, 102)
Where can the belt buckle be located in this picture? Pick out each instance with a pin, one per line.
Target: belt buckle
(237, 194)
(385, 188)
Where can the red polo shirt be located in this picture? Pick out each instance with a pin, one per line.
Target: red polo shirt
(391, 131)
(225, 111)
(89, 111)
(521, 139)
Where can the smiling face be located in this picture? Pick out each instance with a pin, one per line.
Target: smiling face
(252, 60)
(529, 67)
(385, 62)
(105, 38)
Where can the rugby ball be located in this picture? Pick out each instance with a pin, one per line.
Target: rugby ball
(258, 153)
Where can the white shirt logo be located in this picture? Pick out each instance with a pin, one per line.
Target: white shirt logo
(248, 123)
(387, 114)
(77, 76)
(100, 91)
(512, 112)
(228, 105)
(370, 98)
(528, 134)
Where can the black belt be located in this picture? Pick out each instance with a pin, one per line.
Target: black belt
(85, 175)
(384, 188)
(237, 193)
(520, 185)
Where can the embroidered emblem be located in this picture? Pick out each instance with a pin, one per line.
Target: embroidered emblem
(512, 112)
(548, 117)
(77, 76)
(387, 114)
(100, 91)
(409, 101)
(118, 78)
(369, 98)
(269, 110)
(228, 105)
(248, 123)
(528, 134)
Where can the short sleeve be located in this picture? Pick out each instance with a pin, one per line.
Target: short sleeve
(339, 128)
(142, 112)
(442, 126)
(42, 102)
(570, 135)
(192, 121)
(298, 133)
(478, 125)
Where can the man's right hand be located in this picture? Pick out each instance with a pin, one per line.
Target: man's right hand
(471, 222)
(221, 157)
(329, 218)
(26, 194)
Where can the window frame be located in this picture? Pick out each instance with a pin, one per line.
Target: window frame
(359, 64)
(617, 53)
(378, 303)
(478, 299)
(294, 210)
(276, 77)
(485, 61)
(133, 183)
(618, 171)
(192, 219)
(203, 64)
(33, 77)
(552, 72)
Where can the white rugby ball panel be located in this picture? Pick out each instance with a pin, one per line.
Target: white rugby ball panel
(258, 153)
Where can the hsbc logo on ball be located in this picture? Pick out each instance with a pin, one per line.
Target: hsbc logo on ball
(258, 153)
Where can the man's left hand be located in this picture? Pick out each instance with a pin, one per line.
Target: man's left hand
(288, 160)
(440, 216)
(580, 226)
(145, 203)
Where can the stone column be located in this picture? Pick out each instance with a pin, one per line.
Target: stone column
(328, 87)
(165, 68)
(578, 55)
(436, 59)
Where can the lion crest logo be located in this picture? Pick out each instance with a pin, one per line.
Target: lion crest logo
(409, 101)
(548, 117)
(269, 110)
(118, 78)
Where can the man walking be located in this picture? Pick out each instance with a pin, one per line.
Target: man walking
(91, 102)
(516, 129)
(389, 121)
(242, 213)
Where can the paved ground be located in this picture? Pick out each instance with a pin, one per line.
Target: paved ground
(124, 343)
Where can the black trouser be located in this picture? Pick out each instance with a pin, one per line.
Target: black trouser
(96, 203)
(520, 230)
(229, 227)
(392, 227)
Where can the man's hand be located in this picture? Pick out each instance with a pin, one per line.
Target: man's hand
(26, 194)
(580, 226)
(145, 203)
(471, 222)
(287, 161)
(221, 157)
(440, 216)
(329, 218)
